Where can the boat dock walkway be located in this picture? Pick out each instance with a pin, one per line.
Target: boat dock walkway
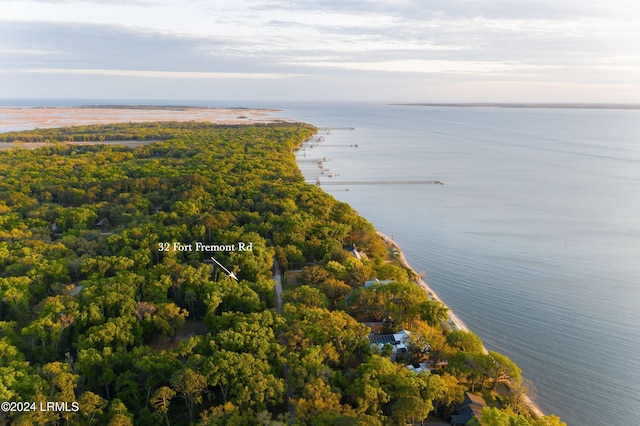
(382, 182)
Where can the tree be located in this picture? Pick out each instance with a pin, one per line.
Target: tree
(190, 386)
(305, 295)
(93, 407)
(15, 293)
(314, 275)
(381, 388)
(96, 367)
(335, 290)
(253, 333)
(433, 312)
(517, 398)
(336, 268)
(342, 337)
(56, 314)
(160, 402)
(360, 274)
(169, 318)
(472, 366)
(389, 271)
(465, 341)
(410, 409)
(118, 414)
(62, 380)
(319, 403)
(115, 333)
(366, 305)
(368, 395)
(453, 392)
(306, 365)
(492, 416)
(501, 368)
(242, 379)
(365, 236)
(152, 370)
(550, 420)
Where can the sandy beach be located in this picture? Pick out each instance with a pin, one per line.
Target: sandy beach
(454, 321)
(12, 119)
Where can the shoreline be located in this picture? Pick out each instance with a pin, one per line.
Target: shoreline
(52, 117)
(454, 321)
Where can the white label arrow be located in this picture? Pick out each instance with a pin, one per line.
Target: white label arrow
(231, 274)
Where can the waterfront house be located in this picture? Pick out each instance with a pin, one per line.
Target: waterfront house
(376, 281)
(471, 407)
(354, 251)
(399, 341)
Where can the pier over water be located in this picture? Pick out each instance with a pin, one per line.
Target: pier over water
(381, 182)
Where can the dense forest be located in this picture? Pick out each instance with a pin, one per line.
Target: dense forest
(100, 309)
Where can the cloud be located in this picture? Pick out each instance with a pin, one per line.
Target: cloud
(157, 74)
(224, 35)
(461, 9)
(324, 43)
(437, 66)
(149, 3)
(91, 46)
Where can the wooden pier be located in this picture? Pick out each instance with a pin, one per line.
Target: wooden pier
(311, 160)
(315, 145)
(309, 174)
(381, 182)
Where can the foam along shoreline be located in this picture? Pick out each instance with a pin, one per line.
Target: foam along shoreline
(454, 321)
(29, 118)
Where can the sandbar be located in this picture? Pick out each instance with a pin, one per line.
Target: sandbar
(29, 118)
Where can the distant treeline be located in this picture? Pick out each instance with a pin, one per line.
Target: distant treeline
(100, 133)
(528, 105)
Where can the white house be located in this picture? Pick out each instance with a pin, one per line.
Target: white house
(399, 341)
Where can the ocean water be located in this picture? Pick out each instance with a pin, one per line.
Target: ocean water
(534, 240)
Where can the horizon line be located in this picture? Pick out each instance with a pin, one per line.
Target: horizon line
(196, 103)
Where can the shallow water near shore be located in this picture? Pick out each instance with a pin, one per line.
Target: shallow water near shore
(534, 241)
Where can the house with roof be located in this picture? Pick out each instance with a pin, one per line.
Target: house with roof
(419, 368)
(399, 341)
(354, 251)
(469, 408)
(376, 281)
(428, 365)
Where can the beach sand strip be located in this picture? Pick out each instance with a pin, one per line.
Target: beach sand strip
(12, 119)
(454, 321)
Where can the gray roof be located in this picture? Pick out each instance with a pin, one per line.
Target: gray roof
(470, 399)
(383, 338)
(470, 407)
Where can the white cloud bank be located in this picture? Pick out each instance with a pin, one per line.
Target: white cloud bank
(494, 50)
(157, 74)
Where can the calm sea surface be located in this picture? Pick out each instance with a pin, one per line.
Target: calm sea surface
(534, 241)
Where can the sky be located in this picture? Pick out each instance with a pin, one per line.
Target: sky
(322, 50)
